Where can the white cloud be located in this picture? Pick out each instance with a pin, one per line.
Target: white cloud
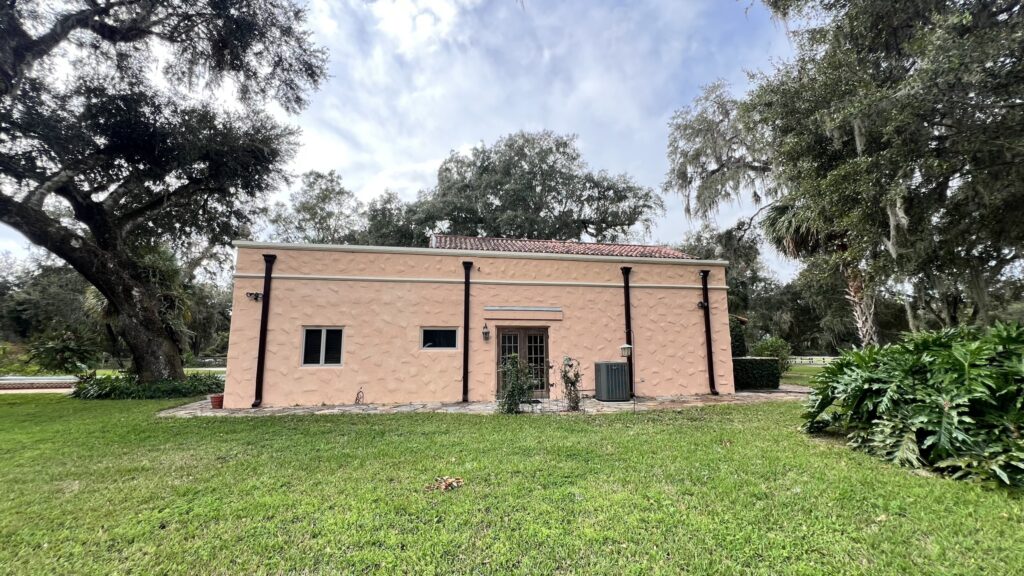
(414, 79)
(416, 26)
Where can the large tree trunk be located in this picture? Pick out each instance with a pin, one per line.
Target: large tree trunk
(115, 344)
(948, 297)
(908, 306)
(156, 353)
(862, 300)
(951, 308)
(977, 287)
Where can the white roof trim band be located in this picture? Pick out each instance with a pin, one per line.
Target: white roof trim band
(413, 280)
(475, 253)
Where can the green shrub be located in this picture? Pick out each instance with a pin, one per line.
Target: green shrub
(752, 373)
(65, 353)
(774, 347)
(127, 387)
(15, 361)
(738, 340)
(949, 400)
(516, 385)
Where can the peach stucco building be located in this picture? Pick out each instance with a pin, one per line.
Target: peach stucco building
(347, 324)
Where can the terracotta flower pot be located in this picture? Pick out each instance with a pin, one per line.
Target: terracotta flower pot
(216, 401)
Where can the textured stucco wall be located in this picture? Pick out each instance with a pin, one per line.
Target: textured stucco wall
(382, 321)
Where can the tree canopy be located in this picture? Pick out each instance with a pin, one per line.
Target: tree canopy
(526, 185)
(810, 311)
(321, 211)
(535, 185)
(392, 222)
(892, 143)
(106, 166)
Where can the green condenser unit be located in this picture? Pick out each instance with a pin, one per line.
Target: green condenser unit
(612, 381)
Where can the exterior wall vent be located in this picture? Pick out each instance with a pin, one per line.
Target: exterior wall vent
(612, 381)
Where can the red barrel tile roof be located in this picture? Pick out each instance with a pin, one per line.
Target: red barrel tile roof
(554, 247)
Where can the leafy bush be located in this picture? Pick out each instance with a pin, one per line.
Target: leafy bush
(65, 353)
(15, 361)
(738, 340)
(947, 400)
(571, 379)
(516, 384)
(774, 347)
(751, 373)
(127, 387)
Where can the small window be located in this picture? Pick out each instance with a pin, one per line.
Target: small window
(322, 346)
(434, 338)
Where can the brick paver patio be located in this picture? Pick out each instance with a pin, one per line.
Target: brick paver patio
(589, 405)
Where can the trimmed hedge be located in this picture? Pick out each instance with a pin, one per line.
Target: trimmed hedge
(738, 340)
(127, 387)
(753, 373)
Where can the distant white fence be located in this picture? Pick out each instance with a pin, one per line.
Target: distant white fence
(811, 360)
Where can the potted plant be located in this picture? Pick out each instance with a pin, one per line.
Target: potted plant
(216, 401)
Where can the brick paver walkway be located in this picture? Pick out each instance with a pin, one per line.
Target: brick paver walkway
(590, 406)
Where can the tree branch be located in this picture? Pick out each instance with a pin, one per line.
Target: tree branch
(44, 231)
(132, 217)
(40, 193)
(26, 51)
(131, 183)
(90, 213)
(53, 183)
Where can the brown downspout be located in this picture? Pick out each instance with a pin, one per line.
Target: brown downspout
(629, 328)
(706, 305)
(467, 266)
(261, 354)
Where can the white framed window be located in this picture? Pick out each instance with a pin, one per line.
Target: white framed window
(439, 338)
(322, 345)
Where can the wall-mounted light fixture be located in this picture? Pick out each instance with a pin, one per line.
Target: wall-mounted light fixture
(254, 296)
(626, 350)
(486, 332)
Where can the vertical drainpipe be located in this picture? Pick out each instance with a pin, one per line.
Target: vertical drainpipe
(261, 353)
(629, 328)
(706, 305)
(467, 266)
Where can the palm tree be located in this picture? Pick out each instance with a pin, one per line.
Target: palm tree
(797, 232)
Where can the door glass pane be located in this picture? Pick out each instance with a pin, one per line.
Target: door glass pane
(509, 345)
(332, 347)
(311, 350)
(536, 357)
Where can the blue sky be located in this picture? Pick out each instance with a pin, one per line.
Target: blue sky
(412, 80)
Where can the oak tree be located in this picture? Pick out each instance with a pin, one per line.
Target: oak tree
(115, 142)
(535, 185)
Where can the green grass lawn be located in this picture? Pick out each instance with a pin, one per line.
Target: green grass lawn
(800, 374)
(100, 487)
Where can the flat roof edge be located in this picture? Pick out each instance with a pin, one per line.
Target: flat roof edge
(477, 253)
